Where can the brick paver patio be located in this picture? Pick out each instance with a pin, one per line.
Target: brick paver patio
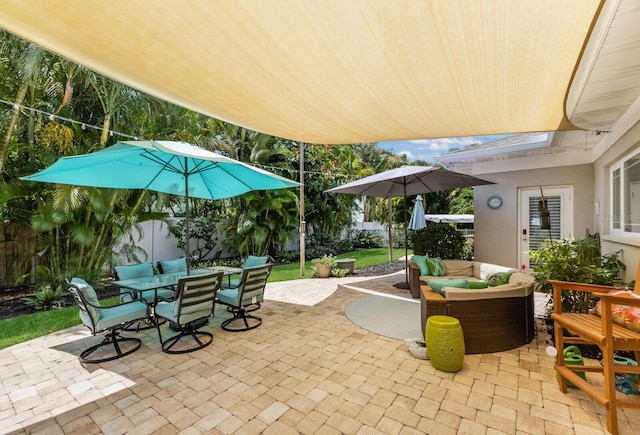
(307, 369)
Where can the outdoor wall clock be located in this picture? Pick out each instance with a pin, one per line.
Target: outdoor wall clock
(494, 202)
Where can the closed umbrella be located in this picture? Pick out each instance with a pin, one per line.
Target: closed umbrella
(408, 180)
(176, 168)
(417, 220)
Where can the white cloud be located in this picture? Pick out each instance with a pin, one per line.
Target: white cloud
(410, 155)
(427, 149)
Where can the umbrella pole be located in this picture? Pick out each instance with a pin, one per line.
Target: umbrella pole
(186, 217)
(390, 226)
(405, 284)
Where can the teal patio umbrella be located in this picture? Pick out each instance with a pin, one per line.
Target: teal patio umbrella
(417, 220)
(176, 168)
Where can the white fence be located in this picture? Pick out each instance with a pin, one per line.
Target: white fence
(160, 244)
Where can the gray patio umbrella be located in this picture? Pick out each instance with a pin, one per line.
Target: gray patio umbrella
(176, 168)
(417, 220)
(408, 180)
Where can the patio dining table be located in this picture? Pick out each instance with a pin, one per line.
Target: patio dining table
(164, 280)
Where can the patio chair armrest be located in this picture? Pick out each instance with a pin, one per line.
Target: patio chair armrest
(560, 286)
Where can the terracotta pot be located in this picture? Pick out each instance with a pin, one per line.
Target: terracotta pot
(324, 270)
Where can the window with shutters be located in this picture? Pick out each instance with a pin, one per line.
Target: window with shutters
(624, 214)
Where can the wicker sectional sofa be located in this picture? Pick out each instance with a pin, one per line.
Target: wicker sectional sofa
(492, 319)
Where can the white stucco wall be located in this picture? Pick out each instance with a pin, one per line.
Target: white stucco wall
(630, 246)
(496, 231)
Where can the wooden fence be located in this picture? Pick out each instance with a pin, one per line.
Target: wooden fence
(17, 245)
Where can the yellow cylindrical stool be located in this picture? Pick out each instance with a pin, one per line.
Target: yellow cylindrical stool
(445, 343)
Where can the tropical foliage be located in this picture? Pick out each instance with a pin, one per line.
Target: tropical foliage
(439, 240)
(575, 260)
(56, 108)
(46, 298)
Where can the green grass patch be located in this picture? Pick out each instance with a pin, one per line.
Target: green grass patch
(364, 258)
(373, 257)
(23, 328)
(19, 329)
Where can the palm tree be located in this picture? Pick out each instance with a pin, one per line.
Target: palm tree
(262, 223)
(24, 62)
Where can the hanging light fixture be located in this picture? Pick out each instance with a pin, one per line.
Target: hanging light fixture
(543, 212)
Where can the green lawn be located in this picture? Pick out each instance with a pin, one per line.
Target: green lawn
(364, 258)
(23, 328)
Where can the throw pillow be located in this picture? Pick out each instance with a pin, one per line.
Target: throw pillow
(438, 284)
(436, 267)
(623, 315)
(498, 278)
(421, 261)
(477, 285)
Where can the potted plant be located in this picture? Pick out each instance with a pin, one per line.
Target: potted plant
(323, 265)
(346, 263)
(576, 260)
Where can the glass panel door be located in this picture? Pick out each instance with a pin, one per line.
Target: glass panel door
(531, 230)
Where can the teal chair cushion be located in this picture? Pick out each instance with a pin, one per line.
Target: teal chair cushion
(122, 314)
(229, 296)
(173, 266)
(253, 261)
(130, 271)
(90, 296)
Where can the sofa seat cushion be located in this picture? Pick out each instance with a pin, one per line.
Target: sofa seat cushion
(520, 278)
(502, 291)
(426, 278)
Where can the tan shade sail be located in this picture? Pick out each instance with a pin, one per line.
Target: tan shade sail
(331, 71)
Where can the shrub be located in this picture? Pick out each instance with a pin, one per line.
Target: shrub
(366, 239)
(46, 298)
(287, 257)
(576, 260)
(320, 245)
(438, 240)
(397, 234)
(467, 250)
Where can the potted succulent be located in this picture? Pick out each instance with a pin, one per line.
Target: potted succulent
(323, 265)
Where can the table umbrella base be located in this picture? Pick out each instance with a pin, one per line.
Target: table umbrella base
(403, 285)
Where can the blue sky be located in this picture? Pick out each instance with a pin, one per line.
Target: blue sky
(427, 149)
